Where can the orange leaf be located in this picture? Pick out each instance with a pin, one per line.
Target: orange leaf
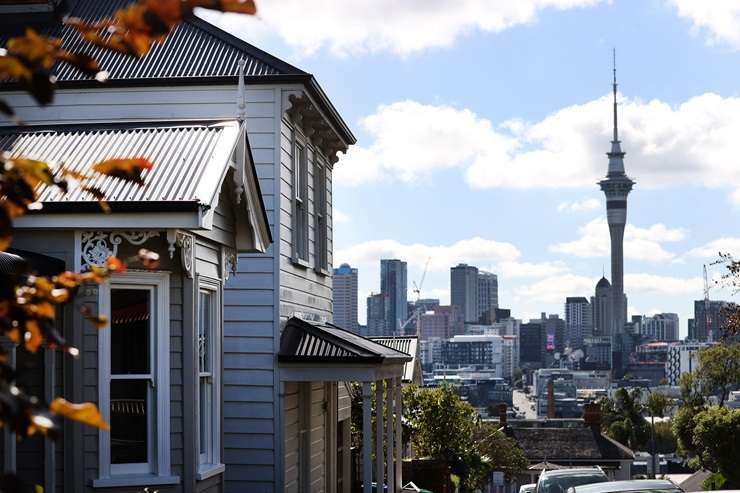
(125, 169)
(237, 6)
(149, 258)
(114, 264)
(33, 336)
(67, 279)
(86, 413)
(14, 335)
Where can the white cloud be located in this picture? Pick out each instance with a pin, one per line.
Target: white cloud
(402, 27)
(713, 248)
(663, 285)
(555, 289)
(580, 205)
(692, 143)
(339, 217)
(475, 251)
(639, 243)
(517, 270)
(720, 18)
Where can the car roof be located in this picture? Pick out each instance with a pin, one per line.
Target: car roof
(571, 471)
(630, 485)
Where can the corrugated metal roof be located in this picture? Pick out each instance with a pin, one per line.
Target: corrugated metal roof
(194, 49)
(181, 154)
(312, 341)
(408, 345)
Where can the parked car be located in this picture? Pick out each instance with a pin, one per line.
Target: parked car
(631, 486)
(527, 488)
(558, 481)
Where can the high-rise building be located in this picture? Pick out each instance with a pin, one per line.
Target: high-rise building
(659, 327)
(554, 333)
(597, 351)
(713, 323)
(377, 316)
(532, 344)
(393, 285)
(443, 321)
(344, 285)
(602, 306)
(616, 187)
(464, 291)
(487, 296)
(683, 357)
(579, 320)
(482, 351)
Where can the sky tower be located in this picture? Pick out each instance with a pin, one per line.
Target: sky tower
(616, 187)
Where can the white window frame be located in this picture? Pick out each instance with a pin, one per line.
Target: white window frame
(300, 199)
(157, 470)
(209, 463)
(321, 224)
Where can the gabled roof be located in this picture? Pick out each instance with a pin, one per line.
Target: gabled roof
(567, 443)
(410, 346)
(304, 341)
(191, 162)
(196, 52)
(194, 49)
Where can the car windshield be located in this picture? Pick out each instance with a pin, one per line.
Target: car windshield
(560, 484)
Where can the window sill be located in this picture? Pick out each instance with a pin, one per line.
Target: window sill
(135, 480)
(206, 471)
(299, 262)
(321, 271)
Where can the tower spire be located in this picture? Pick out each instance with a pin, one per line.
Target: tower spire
(614, 90)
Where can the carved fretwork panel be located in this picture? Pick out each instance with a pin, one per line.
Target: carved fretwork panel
(97, 246)
(304, 114)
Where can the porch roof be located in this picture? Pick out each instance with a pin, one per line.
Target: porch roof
(191, 161)
(408, 345)
(321, 351)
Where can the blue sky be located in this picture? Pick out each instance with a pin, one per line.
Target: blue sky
(482, 128)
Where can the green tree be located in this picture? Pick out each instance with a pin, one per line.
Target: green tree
(623, 421)
(658, 404)
(719, 369)
(501, 452)
(444, 427)
(717, 441)
(665, 440)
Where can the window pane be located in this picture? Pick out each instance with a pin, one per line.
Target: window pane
(129, 415)
(130, 315)
(205, 414)
(205, 307)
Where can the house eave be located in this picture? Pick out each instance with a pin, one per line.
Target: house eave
(307, 80)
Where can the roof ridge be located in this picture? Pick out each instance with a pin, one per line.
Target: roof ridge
(241, 45)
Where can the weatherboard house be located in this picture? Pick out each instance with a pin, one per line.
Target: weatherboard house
(220, 369)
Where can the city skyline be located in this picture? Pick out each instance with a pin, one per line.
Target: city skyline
(534, 123)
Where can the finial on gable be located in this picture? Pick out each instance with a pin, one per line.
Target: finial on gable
(241, 94)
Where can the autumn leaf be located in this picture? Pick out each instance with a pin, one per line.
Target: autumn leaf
(86, 413)
(129, 169)
(236, 6)
(33, 336)
(114, 264)
(148, 258)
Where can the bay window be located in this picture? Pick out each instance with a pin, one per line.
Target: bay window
(209, 381)
(133, 380)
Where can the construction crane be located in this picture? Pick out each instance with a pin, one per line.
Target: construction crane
(417, 287)
(707, 315)
(416, 315)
